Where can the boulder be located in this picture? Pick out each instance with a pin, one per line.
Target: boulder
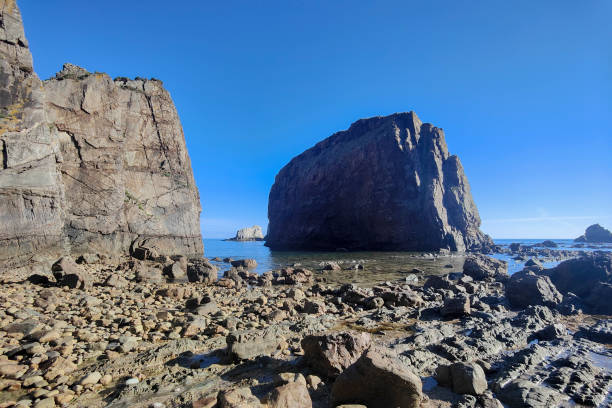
(291, 395)
(468, 378)
(599, 300)
(482, 267)
(175, 271)
(456, 307)
(412, 194)
(201, 270)
(595, 233)
(244, 263)
(253, 233)
(580, 275)
(68, 273)
(329, 355)
(526, 288)
(249, 344)
(237, 398)
(378, 380)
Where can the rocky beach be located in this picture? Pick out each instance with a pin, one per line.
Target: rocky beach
(108, 300)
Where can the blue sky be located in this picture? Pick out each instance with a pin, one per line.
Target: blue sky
(523, 90)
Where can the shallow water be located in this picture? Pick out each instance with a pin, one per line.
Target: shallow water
(379, 266)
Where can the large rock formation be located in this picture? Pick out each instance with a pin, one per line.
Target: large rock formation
(595, 233)
(89, 164)
(386, 183)
(253, 233)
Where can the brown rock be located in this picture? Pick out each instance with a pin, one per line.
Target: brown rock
(329, 355)
(237, 398)
(291, 395)
(378, 380)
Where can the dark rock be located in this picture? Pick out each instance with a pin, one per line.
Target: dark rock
(548, 244)
(600, 332)
(551, 332)
(525, 288)
(405, 173)
(201, 270)
(329, 355)
(458, 306)
(244, 263)
(68, 273)
(481, 267)
(526, 394)
(595, 233)
(581, 274)
(600, 299)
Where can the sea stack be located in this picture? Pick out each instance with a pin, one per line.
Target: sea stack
(386, 183)
(88, 164)
(595, 234)
(253, 233)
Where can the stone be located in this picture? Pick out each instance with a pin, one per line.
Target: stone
(253, 233)
(526, 288)
(68, 273)
(595, 233)
(291, 395)
(45, 403)
(412, 194)
(521, 393)
(468, 378)
(201, 270)
(175, 271)
(599, 300)
(456, 307)
(247, 345)
(329, 355)
(482, 267)
(116, 281)
(237, 398)
(90, 164)
(244, 263)
(378, 380)
(580, 275)
(91, 378)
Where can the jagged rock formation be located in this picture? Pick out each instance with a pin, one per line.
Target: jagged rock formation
(253, 233)
(386, 183)
(89, 164)
(595, 233)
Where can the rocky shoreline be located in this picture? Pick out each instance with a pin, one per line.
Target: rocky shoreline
(166, 332)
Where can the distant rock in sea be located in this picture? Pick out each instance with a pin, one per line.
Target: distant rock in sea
(595, 233)
(253, 233)
(386, 183)
(88, 164)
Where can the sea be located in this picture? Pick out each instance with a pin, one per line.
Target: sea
(377, 266)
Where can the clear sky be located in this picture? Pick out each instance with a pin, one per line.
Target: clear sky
(523, 90)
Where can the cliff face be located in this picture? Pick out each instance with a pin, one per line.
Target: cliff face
(386, 183)
(88, 164)
(125, 164)
(31, 191)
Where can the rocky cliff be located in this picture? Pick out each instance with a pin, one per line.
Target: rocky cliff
(596, 234)
(253, 233)
(89, 164)
(386, 183)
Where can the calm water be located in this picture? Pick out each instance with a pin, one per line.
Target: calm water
(378, 265)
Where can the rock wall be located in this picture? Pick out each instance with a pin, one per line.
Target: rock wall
(386, 183)
(89, 164)
(31, 191)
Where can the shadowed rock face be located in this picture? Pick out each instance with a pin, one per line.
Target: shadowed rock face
(88, 164)
(595, 233)
(386, 183)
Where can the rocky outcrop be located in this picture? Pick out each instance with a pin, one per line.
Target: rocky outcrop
(88, 164)
(595, 233)
(386, 183)
(31, 189)
(253, 233)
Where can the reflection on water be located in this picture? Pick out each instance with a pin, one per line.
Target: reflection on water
(379, 266)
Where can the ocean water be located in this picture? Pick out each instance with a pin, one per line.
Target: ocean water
(378, 266)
